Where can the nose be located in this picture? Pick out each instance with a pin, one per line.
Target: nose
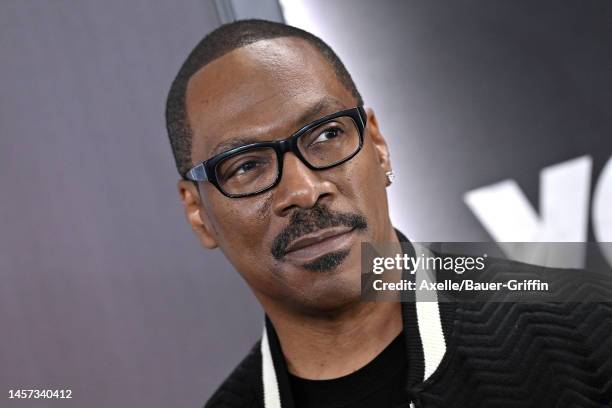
(299, 187)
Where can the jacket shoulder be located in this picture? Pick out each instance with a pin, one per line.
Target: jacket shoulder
(243, 387)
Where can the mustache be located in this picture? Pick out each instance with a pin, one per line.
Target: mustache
(306, 221)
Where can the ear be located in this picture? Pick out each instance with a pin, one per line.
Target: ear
(380, 144)
(195, 213)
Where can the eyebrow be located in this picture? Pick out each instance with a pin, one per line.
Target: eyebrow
(327, 104)
(232, 144)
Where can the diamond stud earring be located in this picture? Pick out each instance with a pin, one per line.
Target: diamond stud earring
(390, 177)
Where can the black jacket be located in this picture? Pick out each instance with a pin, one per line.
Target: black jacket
(469, 354)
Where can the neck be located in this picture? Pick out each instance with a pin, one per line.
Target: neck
(320, 348)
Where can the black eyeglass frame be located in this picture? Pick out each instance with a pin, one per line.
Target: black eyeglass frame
(207, 170)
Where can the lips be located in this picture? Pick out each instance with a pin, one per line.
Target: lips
(318, 243)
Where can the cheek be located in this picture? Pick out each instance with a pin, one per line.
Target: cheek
(365, 186)
(365, 180)
(241, 225)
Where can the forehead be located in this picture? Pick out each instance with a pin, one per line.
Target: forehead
(260, 90)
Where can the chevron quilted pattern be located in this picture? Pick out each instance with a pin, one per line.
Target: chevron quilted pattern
(527, 355)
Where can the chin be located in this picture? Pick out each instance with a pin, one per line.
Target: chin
(330, 283)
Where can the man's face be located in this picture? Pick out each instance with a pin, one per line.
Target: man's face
(297, 244)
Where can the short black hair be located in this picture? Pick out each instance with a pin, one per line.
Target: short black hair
(219, 42)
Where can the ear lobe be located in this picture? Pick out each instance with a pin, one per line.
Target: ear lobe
(195, 214)
(380, 144)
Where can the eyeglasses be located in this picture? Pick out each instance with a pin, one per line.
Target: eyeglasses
(257, 167)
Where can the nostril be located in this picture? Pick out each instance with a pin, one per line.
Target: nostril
(289, 210)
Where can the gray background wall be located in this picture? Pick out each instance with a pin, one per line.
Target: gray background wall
(104, 289)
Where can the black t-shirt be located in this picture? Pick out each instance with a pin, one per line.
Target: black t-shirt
(378, 384)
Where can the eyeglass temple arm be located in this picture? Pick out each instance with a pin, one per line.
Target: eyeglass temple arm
(364, 115)
(198, 173)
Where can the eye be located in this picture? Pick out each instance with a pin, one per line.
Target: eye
(246, 167)
(327, 135)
